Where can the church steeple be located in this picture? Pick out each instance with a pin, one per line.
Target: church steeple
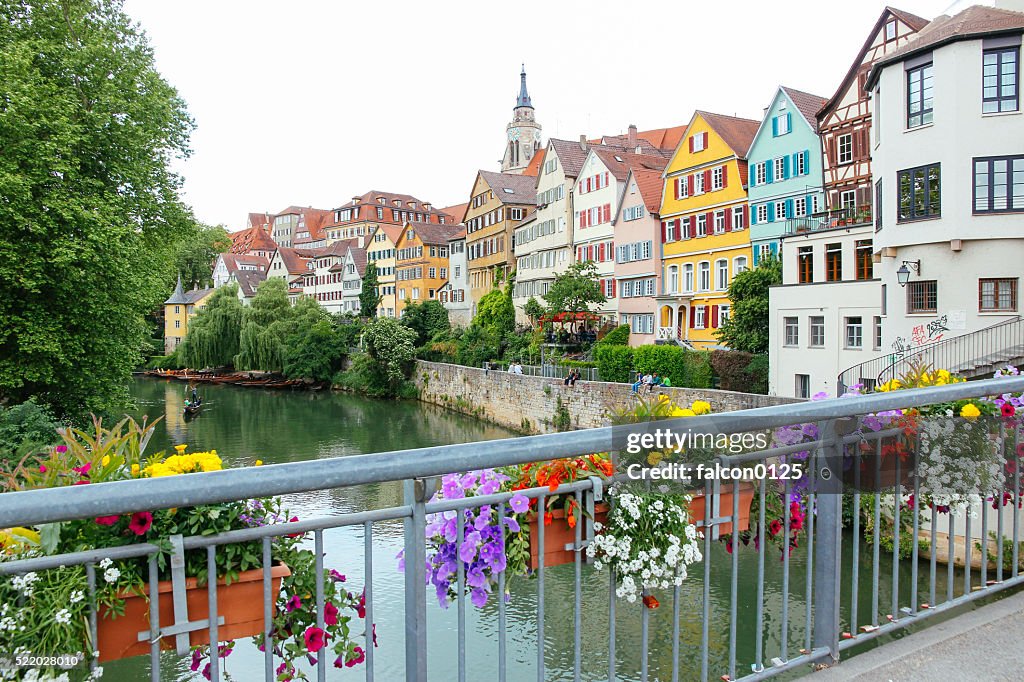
(524, 96)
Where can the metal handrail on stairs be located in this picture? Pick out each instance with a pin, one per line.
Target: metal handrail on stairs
(984, 349)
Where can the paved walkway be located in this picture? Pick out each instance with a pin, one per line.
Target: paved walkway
(982, 645)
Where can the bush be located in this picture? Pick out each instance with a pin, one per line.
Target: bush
(383, 370)
(477, 345)
(614, 363)
(740, 371)
(617, 337)
(683, 367)
(24, 429)
(172, 361)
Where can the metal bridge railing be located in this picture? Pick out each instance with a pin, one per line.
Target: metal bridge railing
(823, 611)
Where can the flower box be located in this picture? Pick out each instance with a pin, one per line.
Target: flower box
(240, 604)
(699, 502)
(557, 535)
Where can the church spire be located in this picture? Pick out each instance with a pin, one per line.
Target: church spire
(524, 96)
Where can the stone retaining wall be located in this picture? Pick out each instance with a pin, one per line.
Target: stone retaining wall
(532, 404)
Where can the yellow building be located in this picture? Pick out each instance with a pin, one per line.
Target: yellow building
(704, 227)
(380, 250)
(178, 310)
(421, 262)
(498, 203)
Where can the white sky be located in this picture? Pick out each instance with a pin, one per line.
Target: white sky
(311, 103)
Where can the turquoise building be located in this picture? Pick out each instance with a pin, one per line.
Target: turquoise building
(786, 171)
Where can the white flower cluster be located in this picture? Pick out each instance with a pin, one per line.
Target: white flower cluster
(959, 461)
(648, 542)
(23, 583)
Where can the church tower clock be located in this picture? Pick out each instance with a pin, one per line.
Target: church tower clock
(522, 134)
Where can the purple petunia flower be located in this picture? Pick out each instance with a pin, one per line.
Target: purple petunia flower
(479, 597)
(519, 503)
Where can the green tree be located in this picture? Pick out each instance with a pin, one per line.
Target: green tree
(91, 215)
(426, 319)
(196, 255)
(575, 290)
(213, 334)
(25, 429)
(533, 310)
(369, 296)
(314, 344)
(746, 328)
(264, 325)
(495, 311)
(383, 370)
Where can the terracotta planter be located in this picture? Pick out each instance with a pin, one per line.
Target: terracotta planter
(699, 503)
(240, 604)
(557, 535)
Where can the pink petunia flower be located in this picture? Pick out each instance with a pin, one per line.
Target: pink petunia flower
(330, 614)
(107, 520)
(358, 656)
(141, 522)
(315, 638)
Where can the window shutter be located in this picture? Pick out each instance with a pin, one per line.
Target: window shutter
(785, 167)
(769, 171)
(753, 217)
(707, 180)
(789, 208)
(710, 222)
(614, 285)
(771, 211)
(689, 185)
(746, 214)
(606, 178)
(693, 316)
(677, 187)
(714, 316)
(691, 143)
(775, 126)
(600, 252)
(775, 249)
(806, 155)
(664, 230)
(725, 177)
(751, 172)
(756, 252)
(728, 220)
(607, 212)
(704, 137)
(830, 150)
(789, 121)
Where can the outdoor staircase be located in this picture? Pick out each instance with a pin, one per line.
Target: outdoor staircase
(974, 355)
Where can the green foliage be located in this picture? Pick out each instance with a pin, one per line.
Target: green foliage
(316, 344)
(384, 369)
(213, 334)
(562, 420)
(575, 290)
(172, 361)
(369, 296)
(495, 311)
(261, 343)
(25, 429)
(614, 363)
(197, 252)
(91, 213)
(477, 345)
(739, 371)
(533, 309)
(617, 337)
(747, 326)
(427, 319)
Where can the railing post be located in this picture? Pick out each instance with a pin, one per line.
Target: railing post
(828, 481)
(415, 582)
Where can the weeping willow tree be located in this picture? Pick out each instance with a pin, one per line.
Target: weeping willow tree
(213, 335)
(264, 326)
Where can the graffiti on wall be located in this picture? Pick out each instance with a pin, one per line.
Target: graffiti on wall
(932, 332)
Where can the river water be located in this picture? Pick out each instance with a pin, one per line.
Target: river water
(245, 424)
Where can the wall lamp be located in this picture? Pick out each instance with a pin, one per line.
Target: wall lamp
(903, 274)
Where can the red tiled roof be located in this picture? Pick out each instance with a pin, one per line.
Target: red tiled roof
(650, 184)
(461, 234)
(359, 259)
(394, 232)
(665, 139)
(619, 163)
(248, 281)
(533, 168)
(738, 133)
(234, 260)
(294, 263)
(404, 200)
(912, 20)
(974, 21)
(259, 220)
(433, 233)
(807, 104)
(458, 211)
(572, 155)
(251, 239)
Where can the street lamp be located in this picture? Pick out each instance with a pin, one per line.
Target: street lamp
(903, 274)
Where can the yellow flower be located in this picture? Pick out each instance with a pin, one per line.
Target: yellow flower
(700, 407)
(135, 469)
(259, 462)
(181, 448)
(662, 398)
(654, 458)
(106, 460)
(970, 411)
(683, 412)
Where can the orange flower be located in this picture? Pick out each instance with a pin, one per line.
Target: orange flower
(571, 520)
(548, 516)
(651, 602)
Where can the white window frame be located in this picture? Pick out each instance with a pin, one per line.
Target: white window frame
(719, 218)
(761, 173)
(737, 218)
(791, 324)
(780, 210)
(698, 183)
(700, 317)
(724, 311)
(688, 277)
(780, 120)
(854, 332)
(779, 169)
(717, 178)
(698, 142)
(704, 276)
(739, 264)
(702, 225)
(844, 148)
(801, 165)
(799, 207)
(762, 213)
(722, 274)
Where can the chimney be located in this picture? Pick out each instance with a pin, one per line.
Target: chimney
(631, 136)
(583, 142)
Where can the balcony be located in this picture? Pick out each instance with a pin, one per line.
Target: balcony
(829, 220)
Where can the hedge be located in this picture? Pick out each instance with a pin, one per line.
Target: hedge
(614, 363)
(683, 367)
(740, 371)
(617, 337)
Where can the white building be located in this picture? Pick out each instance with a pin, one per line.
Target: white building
(826, 315)
(453, 294)
(323, 279)
(229, 263)
(353, 269)
(948, 163)
(598, 192)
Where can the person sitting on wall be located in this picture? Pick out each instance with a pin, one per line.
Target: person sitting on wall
(655, 381)
(638, 382)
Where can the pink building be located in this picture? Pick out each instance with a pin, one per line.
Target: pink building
(638, 239)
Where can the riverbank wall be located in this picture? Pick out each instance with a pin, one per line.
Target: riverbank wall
(543, 405)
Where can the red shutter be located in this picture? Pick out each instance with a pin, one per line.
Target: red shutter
(600, 252)
(664, 231)
(711, 222)
(606, 181)
(705, 139)
(714, 316)
(615, 286)
(746, 216)
(728, 220)
(689, 185)
(830, 150)
(707, 180)
(607, 213)
(693, 316)
(691, 143)
(677, 187)
(725, 178)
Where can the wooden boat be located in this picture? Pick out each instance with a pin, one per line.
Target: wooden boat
(193, 410)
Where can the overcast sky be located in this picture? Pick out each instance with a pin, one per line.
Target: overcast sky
(310, 103)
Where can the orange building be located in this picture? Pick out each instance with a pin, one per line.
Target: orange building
(421, 262)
